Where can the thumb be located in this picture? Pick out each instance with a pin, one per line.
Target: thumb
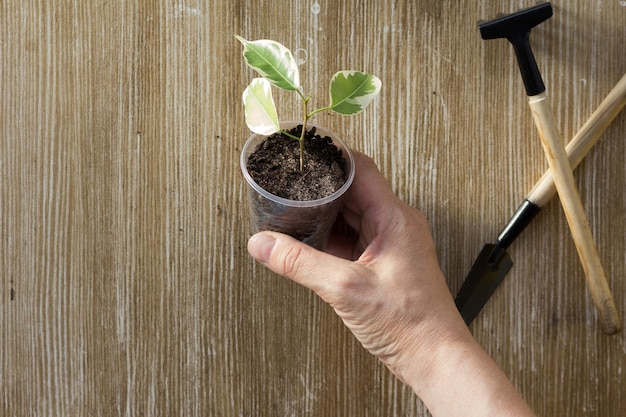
(296, 260)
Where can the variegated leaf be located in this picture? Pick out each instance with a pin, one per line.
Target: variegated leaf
(273, 61)
(260, 110)
(352, 91)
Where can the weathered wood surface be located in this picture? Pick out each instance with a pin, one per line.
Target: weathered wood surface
(125, 285)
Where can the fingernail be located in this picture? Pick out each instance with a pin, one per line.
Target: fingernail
(260, 246)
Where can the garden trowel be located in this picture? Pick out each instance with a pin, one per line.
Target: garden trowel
(493, 262)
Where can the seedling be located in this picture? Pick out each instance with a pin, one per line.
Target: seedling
(350, 91)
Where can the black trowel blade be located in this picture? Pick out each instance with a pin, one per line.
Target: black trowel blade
(488, 271)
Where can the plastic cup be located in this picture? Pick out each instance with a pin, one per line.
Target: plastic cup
(309, 221)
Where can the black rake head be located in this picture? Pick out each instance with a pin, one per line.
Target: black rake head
(516, 28)
(515, 24)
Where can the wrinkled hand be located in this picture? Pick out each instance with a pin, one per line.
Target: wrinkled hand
(384, 281)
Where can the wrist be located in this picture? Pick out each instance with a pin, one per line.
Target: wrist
(439, 348)
(455, 376)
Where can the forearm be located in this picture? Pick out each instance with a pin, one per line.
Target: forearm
(461, 379)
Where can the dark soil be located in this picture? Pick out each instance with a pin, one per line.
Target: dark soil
(275, 166)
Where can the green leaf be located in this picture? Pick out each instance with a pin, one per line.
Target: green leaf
(273, 61)
(352, 91)
(260, 110)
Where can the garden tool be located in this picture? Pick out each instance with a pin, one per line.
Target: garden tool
(494, 263)
(516, 29)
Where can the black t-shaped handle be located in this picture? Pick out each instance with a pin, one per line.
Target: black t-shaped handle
(516, 28)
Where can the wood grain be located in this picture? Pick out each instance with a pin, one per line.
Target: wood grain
(125, 285)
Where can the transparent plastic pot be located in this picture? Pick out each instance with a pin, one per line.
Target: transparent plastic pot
(309, 221)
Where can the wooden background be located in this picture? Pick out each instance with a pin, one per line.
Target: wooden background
(126, 288)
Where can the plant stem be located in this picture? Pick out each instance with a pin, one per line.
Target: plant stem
(314, 112)
(305, 101)
(302, 135)
(307, 116)
(284, 132)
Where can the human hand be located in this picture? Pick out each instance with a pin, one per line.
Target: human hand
(385, 283)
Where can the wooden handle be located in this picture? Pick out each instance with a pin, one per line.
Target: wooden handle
(584, 140)
(574, 212)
